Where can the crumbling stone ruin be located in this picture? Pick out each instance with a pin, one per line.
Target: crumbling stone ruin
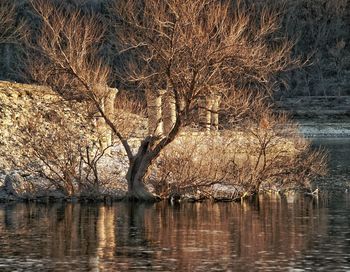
(103, 130)
(208, 112)
(162, 112)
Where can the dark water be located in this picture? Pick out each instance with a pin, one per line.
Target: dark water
(269, 234)
(339, 154)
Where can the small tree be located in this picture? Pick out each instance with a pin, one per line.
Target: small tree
(190, 49)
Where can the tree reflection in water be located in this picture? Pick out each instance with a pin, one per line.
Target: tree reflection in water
(267, 234)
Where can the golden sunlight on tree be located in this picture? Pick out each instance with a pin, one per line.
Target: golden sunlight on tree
(184, 56)
(195, 50)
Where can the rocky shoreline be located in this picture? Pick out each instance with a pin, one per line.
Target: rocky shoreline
(14, 185)
(12, 190)
(18, 102)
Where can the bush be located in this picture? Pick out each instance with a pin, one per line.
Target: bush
(266, 155)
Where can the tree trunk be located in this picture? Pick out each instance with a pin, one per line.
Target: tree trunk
(137, 171)
(136, 187)
(149, 150)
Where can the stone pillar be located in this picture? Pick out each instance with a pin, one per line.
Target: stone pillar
(215, 112)
(105, 135)
(169, 112)
(101, 129)
(204, 112)
(110, 112)
(154, 109)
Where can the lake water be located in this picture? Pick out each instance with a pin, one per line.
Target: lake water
(339, 154)
(270, 234)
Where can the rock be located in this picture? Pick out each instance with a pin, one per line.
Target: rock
(8, 187)
(73, 199)
(3, 175)
(15, 184)
(5, 197)
(226, 192)
(56, 194)
(196, 196)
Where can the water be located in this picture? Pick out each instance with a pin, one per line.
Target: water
(339, 152)
(270, 234)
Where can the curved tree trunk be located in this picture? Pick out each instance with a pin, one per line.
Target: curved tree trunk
(148, 151)
(137, 171)
(136, 187)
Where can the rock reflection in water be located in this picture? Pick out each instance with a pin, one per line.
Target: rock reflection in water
(264, 235)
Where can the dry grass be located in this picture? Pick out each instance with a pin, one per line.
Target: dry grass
(254, 159)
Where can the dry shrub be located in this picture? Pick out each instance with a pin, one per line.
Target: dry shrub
(58, 144)
(190, 162)
(267, 155)
(279, 157)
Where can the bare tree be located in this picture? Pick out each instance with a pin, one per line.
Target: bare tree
(194, 49)
(190, 49)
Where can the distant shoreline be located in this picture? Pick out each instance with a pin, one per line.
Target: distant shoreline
(319, 116)
(324, 129)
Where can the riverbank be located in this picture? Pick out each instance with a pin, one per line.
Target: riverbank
(239, 161)
(196, 178)
(319, 116)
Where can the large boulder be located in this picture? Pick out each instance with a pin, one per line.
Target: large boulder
(10, 186)
(222, 192)
(5, 197)
(15, 185)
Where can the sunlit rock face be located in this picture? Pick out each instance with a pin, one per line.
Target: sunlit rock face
(35, 117)
(21, 105)
(14, 184)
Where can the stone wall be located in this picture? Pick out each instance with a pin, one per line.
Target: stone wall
(22, 105)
